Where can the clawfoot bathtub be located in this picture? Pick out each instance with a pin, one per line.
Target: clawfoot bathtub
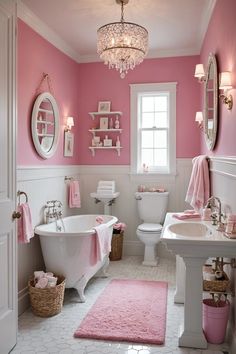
(68, 249)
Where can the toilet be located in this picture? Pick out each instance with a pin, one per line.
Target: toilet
(152, 207)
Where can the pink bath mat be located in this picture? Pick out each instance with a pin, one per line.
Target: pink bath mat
(128, 310)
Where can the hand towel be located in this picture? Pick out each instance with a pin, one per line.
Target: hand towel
(24, 224)
(185, 216)
(102, 243)
(74, 195)
(199, 186)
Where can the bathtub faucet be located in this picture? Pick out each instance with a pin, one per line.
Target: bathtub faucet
(52, 211)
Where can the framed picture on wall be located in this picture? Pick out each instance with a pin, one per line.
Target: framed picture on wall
(68, 144)
(104, 106)
(104, 123)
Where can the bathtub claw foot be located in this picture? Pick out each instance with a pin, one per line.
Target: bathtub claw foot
(80, 286)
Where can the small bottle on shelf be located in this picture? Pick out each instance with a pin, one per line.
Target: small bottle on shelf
(111, 123)
(117, 141)
(117, 123)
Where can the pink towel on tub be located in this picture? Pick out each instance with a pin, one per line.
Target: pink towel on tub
(24, 224)
(199, 186)
(74, 195)
(102, 243)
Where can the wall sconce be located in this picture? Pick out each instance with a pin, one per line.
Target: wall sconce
(226, 85)
(200, 73)
(69, 123)
(199, 119)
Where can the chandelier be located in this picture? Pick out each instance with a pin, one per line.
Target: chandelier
(122, 45)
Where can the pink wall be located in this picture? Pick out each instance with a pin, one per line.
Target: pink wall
(35, 57)
(220, 39)
(79, 87)
(98, 83)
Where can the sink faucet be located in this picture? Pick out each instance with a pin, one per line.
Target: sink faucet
(211, 202)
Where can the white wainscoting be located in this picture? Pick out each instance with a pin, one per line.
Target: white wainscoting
(47, 183)
(41, 184)
(223, 185)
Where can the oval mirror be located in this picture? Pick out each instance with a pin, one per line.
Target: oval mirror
(211, 103)
(45, 125)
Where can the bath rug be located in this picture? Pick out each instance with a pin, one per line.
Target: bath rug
(128, 310)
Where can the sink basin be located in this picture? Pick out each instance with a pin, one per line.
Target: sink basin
(189, 229)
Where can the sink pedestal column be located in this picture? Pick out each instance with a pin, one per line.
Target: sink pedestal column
(191, 334)
(180, 281)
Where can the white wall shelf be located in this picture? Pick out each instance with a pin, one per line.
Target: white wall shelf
(49, 111)
(44, 122)
(46, 134)
(94, 131)
(94, 114)
(93, 148)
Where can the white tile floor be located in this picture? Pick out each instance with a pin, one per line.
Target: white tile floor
(55, 334)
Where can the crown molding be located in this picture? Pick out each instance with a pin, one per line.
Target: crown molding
(26, 15)
(205, 21)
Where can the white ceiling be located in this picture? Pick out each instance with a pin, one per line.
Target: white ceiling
(176, 27)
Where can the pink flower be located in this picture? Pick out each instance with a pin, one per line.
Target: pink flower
(119, 226)
(99, 220)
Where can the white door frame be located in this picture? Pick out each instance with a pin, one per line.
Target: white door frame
(8, 244)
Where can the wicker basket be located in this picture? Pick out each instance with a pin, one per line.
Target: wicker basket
(116, 246)
(217, 285)
(47, 302)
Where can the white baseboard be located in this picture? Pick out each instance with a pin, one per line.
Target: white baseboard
(23, 300)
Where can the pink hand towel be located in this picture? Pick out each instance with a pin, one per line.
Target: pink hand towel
(74, 195)
(24, 224)
(199, 186)
(102, 243)
(184, 216)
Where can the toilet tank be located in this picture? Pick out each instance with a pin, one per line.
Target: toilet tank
(152, 206)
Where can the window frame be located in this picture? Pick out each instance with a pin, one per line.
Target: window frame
(136, 91)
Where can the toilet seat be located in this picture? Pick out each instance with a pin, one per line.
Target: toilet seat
(150, 227)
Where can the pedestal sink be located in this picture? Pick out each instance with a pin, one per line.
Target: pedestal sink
(195, 242)
(106, 199)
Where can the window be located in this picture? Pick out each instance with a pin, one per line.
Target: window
(153, 128)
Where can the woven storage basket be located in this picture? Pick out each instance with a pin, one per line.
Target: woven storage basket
(116, 246)
(47, 302)
(217, 285)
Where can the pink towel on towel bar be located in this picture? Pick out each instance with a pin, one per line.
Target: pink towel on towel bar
(199, 186)
(74, 195)
(102, 243)
(24, 224)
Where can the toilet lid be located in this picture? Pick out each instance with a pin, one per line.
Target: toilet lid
(148, 227)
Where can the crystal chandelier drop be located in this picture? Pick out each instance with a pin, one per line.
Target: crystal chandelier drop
(122, 45)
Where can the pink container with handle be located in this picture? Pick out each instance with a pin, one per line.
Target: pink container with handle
(215, 318)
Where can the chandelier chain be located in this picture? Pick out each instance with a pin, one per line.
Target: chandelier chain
(122, 11)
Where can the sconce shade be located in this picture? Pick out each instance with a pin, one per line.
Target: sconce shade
(70, 122)
(199, 71)
(225, 81)
(199, 117)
